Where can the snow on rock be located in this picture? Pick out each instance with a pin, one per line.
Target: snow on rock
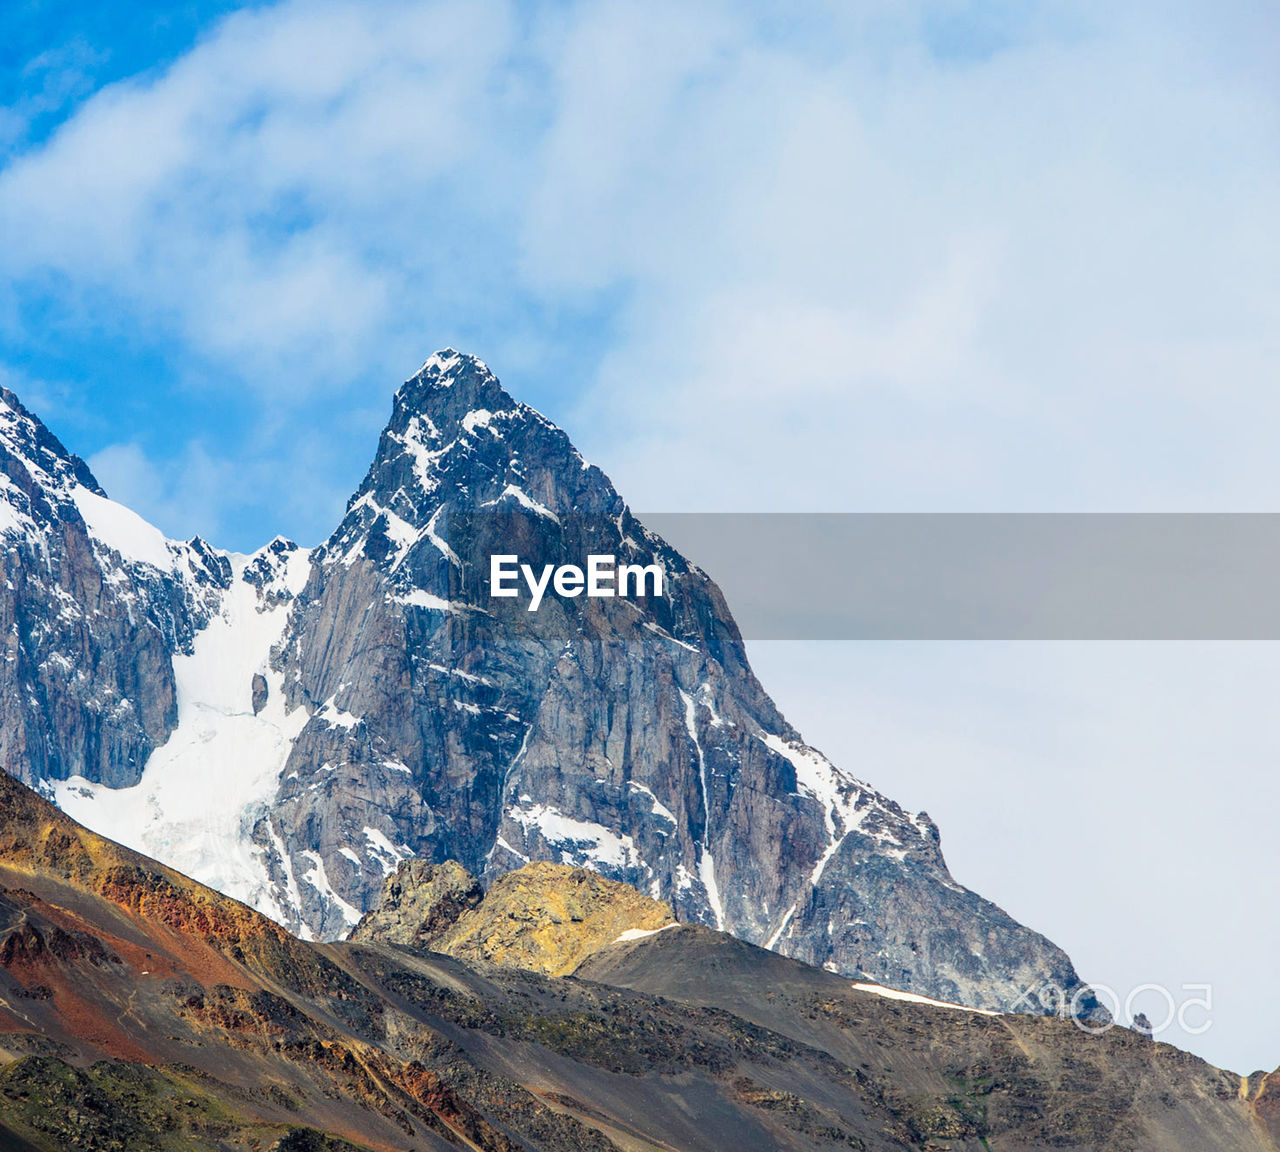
(707, 874)
(706, 862)
(439, 541)
(123, 530)
(417, 598)
(335, 717)
(658, 809)
(387, 855)
(319, 880)
(477, 418)
(203, 790)
(839, 795)
(525, 500)
(587, 842)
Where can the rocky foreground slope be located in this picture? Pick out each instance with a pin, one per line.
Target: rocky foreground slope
(289, 726)
(142, 1012)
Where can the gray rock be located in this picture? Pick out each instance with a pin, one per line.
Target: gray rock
(88, 633)
(258, 692)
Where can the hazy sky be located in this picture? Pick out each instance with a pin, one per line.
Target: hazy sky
(891, 255)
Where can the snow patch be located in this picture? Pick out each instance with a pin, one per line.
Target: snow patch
(522, 497)
(607, 847)
(781, 928)
(469, 677)
(444, 361)
(335, 717)
(640, 933)
(439, 541)
(501, 843)
(12, 518)
(667, 635)
(912, 998)
(659, 809)
(319, 880)
(707, 874)
(387, 855)
(424, 459)
(433, 603)
(837, 793)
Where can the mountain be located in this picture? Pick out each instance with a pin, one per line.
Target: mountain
(143, 1012)
(95, 605)
(288, 727)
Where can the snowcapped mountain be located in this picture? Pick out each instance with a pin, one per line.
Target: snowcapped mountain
(288, 726)
(94, 606)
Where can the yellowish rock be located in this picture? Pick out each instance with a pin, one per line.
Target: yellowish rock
(544, 917)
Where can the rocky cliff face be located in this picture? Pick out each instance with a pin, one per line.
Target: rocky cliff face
(373, 702)
(94, 605)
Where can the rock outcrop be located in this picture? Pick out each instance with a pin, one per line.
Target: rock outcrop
(420, 903)
(543, 917)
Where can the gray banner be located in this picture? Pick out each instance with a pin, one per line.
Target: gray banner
(989, 576)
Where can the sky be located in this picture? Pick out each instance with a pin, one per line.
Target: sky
(919, 255)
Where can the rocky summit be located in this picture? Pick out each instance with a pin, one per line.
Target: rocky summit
(290, 727)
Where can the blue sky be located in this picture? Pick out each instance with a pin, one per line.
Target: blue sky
(893, 255)
(933, 254)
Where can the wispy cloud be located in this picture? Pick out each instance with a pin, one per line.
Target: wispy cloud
(248, 198)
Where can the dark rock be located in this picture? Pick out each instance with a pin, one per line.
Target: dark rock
(419, 902)
(259, 697)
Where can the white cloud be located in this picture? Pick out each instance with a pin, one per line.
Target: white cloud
(170, 191)
(928, 286)
(936, 263)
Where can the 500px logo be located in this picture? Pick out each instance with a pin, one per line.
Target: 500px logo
(1051, 999)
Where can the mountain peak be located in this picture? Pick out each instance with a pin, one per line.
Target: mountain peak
(32, 458)
(376, 702)
(448, 386)
(457, 438)
(447, 361)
